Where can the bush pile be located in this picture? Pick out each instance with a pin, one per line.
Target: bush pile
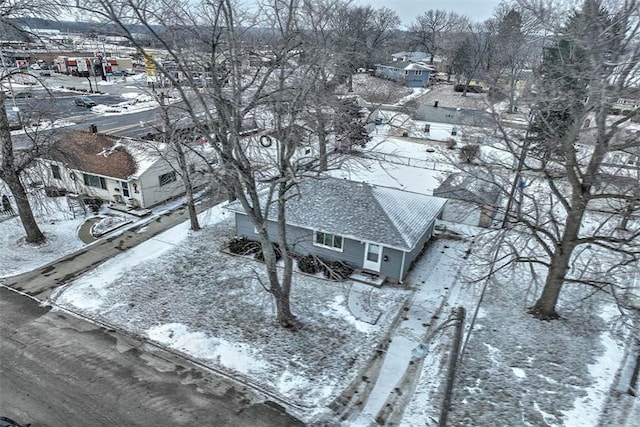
(337, 270)
(260, 255)
(243, 246)
(308, 264)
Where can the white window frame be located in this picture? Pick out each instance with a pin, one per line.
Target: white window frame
(169, 177)
(95, 181)
(55, 171)
(332, 247)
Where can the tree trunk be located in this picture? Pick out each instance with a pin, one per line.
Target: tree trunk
(322, 141)
(10, 175)
(280, 292)
(545, 306)
(188, 187)
(34, 235)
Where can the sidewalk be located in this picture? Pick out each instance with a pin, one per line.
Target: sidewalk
(41, 282)
(434, 283)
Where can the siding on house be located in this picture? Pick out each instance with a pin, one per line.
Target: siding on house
(411, 256)
(119, 163)
(397, 221)
(301, 242)
(411, 74)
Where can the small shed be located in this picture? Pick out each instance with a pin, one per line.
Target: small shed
(473, 200)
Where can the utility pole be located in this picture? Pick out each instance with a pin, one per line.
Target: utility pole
(517, 178)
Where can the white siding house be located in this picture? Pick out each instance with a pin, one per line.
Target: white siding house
(126, 172)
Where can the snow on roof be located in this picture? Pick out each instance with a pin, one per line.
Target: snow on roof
(404, 65)
(360, 211)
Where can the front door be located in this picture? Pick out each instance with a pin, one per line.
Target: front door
(125, 188)
(372, 257)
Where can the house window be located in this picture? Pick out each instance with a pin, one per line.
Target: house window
(327, 240)
(94, 181)
(406, 72)
(55, 171)
(427, 128)
(167, 178)
(125, 189)
(418, 72)
(454, 131)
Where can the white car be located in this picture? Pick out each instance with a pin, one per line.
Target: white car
(35, 67)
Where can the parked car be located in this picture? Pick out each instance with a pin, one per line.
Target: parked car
(8, 422)
(17, 95)
(470, 88)
(85, 101)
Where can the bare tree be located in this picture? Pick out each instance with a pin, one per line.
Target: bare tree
(429, 30)
(517, 48)
(255, 72)
(14, 164)
(566, 157)
(358, 33)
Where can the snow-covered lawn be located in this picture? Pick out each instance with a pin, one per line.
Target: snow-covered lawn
(56, 222)
(180, 290)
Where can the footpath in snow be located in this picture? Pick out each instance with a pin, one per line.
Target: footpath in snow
(434, 277)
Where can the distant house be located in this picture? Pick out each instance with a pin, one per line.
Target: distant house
(409, 73)
(621, 162)
(128, 173)
(263, 148)
(473, 200)
(377, 229)
(441, 123)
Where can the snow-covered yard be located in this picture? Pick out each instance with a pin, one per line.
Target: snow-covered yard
(180, 290)
(56, 222)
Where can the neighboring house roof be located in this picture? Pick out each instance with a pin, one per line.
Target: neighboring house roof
(411, 56)
(359, 211)
(93, 153)
(110, 156)
(623, 136)
(480, 190)
(405, 65)
(455, 116)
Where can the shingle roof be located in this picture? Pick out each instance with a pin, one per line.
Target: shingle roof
(479, 189)
(405, 65)
(360, 211)
(93, 153)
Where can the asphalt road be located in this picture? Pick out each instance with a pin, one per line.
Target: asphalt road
(57, 370)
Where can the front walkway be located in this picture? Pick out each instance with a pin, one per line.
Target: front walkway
(434, 277)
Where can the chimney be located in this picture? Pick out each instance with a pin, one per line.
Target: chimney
(435, 104)
(93, 128)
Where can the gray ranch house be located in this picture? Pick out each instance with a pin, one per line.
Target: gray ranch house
(410, 73)
(377, 229)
